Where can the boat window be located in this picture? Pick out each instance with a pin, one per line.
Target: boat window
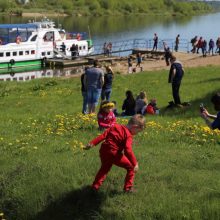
(32, 77)
(33, 52)
(14, 53)
(27, 78)
(8, 79)
(34, 38)
(20, 78)
(15, 79)
(27, 52)
(80, 48)
(43, 53)
(1, 79)
(21, 53)
(48, 53)
(48, 36)
(62, 34)
(84, 47)
(8, 54)
(1, 54)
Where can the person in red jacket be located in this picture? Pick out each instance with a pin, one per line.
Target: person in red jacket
(106, 116)
(116, 149)
(152, 107)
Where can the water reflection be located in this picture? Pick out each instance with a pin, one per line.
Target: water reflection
(40, 73)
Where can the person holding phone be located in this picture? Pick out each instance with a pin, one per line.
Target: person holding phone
(206, 116)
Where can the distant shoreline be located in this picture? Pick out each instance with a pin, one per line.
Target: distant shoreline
(38, 14)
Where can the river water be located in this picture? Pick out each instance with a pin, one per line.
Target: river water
(121, 28)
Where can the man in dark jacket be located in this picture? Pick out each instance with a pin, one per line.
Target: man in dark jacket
(175, 77)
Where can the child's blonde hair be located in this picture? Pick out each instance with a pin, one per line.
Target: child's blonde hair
(138, 120)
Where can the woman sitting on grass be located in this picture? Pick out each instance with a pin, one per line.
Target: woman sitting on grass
(106, 117)
(141, 101)
(128, 106)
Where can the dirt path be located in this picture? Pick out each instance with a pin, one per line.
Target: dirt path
(187, 59)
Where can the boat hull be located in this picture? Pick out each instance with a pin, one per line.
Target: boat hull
(19, 64)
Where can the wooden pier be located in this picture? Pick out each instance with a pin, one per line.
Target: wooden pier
(81, 61)
(88, 60)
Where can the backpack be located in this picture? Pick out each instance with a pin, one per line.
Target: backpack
(192, 41)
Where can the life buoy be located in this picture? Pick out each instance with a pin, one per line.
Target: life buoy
(78, 36)
(12, 62)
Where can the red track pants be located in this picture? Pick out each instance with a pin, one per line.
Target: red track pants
(118, 159)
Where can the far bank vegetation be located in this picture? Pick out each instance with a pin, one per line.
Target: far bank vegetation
(104, 7)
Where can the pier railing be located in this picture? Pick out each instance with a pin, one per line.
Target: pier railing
(123, 48)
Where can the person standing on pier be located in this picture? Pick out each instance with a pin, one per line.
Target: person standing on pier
(93, 82)
(63, 48)
(177, 41)
(155, 42)
(211, 46)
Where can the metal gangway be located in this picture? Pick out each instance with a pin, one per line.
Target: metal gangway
(61, 54)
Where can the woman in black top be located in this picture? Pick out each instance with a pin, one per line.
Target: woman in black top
(107, 87)
(128, 106)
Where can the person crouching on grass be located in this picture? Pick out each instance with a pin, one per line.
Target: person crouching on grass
(116, 149)
(106, 117)
(205, 114)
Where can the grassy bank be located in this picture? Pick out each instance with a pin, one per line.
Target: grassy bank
(44, 173)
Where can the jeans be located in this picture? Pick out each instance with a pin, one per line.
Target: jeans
(84, 107)
(93, 96)
(106, 94)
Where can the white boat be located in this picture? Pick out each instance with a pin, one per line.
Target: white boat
(31, 43)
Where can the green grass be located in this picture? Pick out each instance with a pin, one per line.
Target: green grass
(44, 174)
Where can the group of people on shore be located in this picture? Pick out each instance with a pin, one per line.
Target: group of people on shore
(200, 43)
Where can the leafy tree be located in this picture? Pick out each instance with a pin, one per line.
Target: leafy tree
(4, 5)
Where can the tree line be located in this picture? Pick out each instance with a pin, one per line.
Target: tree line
(105, 7)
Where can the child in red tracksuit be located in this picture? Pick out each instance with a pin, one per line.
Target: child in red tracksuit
(117, 150)
(106, 116)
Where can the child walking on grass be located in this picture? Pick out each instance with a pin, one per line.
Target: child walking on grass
(106, 117)
(116, 149)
